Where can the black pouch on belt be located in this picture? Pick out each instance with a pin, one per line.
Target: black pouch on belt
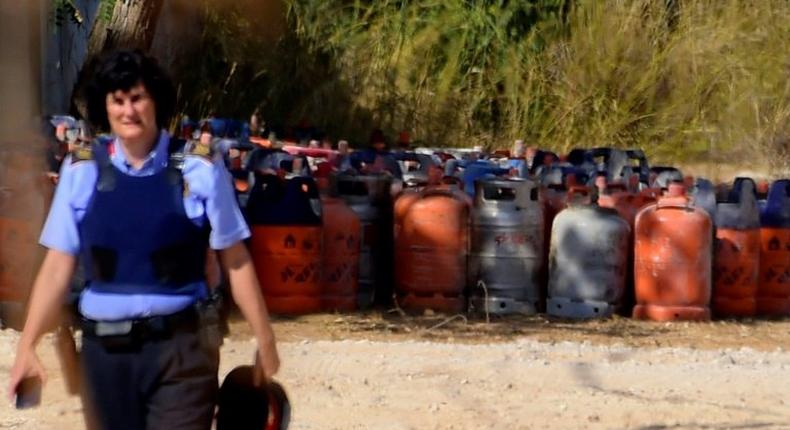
(211, 325)
(117, 335)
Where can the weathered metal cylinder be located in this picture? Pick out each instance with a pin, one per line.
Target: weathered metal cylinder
(773, 291)
(587, 262)
(286, 243)
(506, 244)
(431, 240)
(672, 259)
(24, 199)
(736, 259)
(369, 197)
(341, 229)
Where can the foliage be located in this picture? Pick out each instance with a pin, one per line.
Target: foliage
(227, 74)
(691, 79)
(63, 10)
(444, 70)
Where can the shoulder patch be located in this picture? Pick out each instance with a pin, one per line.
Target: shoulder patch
(82, 153)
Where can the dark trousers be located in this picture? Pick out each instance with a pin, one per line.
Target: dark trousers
(158, 384)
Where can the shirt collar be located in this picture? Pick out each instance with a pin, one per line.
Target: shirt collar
(156, 159)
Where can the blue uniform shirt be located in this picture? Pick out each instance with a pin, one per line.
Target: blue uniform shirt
(210, 199)
(519, 164)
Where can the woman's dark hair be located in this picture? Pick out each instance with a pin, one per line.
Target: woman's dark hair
(122, 70)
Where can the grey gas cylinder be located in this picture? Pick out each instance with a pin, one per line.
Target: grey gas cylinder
(506, 242)
(588, 260)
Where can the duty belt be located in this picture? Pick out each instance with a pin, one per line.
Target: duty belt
(156, 327)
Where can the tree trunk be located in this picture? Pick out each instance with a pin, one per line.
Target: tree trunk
(178, 35)
(132, 25)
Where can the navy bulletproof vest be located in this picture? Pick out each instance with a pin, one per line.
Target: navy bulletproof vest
(136, 237)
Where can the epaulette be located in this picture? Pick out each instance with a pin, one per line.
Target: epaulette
(200, 150)
(81, 153)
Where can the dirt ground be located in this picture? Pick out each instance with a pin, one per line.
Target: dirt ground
(391, 371)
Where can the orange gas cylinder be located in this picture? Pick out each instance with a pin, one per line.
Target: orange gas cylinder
(402, 205)
(737, 252)
(341, 256)
(25, 193)
(773, 291)
(286, 242)
(431, 242)
(673, 259)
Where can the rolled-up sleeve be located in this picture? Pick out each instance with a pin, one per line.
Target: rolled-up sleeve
(213, 184)
(60, 229)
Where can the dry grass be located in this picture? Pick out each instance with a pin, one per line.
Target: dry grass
(757, 334)
(708, 79)
(704, 81)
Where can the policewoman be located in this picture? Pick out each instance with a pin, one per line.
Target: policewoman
(140, 211)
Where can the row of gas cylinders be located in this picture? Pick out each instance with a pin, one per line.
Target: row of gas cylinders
(316, 252)
(517, 247)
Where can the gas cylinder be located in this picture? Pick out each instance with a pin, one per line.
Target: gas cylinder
(430, 251)
(286, 242)
(588, 259)
(673, 253)
(736, 258)
(341, 230)
(369, 197)
(554, 183)
(405, 199)
(773, 291)
(25, 193)
(506, 243)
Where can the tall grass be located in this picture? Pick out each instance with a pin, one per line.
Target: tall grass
(712, 85)
(686, 80)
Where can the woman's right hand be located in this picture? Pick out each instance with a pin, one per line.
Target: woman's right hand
(26, 365)
(267, 362)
